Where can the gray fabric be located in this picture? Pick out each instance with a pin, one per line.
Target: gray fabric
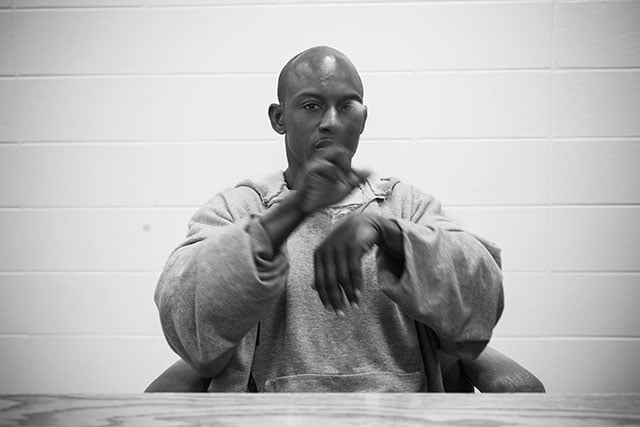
(224, 280)
(491, 372)
(352, 383)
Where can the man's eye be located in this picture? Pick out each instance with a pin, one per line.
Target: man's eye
(351, 106)
(311, 107)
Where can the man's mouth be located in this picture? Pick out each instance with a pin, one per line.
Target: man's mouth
(323, 143)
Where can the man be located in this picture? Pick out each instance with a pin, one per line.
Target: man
(276, 285)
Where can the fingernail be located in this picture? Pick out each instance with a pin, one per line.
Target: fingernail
(358, 293)
(355, 305)
(340, 313)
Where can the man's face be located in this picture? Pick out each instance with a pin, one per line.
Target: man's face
(322, 108)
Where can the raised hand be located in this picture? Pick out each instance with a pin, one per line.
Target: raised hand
(327, 179)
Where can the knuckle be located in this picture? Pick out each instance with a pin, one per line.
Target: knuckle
(353, 246)
(319, 253)
(336, 295)
(344, 280)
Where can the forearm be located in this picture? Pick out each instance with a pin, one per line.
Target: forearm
(281, 220)
(212, 292)
(391, 244)
(451, 283)
(325, 179)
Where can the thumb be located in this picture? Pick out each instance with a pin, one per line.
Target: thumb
(357, 176)
(361, 175)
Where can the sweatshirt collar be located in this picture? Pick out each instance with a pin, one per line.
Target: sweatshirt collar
(273, 189)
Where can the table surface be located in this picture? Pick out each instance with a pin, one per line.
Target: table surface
(227, 409)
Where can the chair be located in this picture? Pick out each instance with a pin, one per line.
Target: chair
(491, 372)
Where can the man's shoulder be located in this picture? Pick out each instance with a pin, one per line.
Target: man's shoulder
(272, 188)
(247, 196)
(269, 188)
(382, 185)
(398, 192)
(385, 186)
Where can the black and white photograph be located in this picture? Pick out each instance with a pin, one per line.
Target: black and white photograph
(334, 212)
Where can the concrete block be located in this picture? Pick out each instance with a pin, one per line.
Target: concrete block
(11, 240)
(597, 34)
(594, 366)
(389, 100)
(160, 3)
(466, 35)
(82, 109)
(13, 294)
(219, 40)
(11, 176)
(73, 3)
(69, 364)
(597, 103)
(6, 44)
(211, 107)
(91, 174)
(600, 171)
(87, 239)
(92, 304)
(14, 369)
(458, 172)
(80, 41)
(8, 116)
(594, 239)
(476, 105)
(594, 305)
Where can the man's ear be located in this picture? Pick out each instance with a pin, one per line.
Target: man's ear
(275, 116)
(364, 119)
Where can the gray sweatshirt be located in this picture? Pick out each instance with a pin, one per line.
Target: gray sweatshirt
(232, 308)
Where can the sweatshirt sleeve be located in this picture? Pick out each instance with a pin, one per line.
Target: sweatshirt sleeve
(452, 279)
(218, 284)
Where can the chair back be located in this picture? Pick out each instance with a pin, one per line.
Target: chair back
(453, 378)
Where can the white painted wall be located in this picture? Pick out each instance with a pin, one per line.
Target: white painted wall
(118, 118)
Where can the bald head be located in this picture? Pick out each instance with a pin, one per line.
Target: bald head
(320, 108)
(322, 62)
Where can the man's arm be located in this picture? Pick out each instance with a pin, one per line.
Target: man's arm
(223, 280)
(220, 282)
(439, 274)
(451, 281)
(325, 180)
(337, 261)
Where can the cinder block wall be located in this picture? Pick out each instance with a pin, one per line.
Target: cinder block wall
(118, 118)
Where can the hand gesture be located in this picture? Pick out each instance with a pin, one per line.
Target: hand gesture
(338, 261)
(328, 178)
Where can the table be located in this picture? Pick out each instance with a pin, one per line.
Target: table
(168, 409)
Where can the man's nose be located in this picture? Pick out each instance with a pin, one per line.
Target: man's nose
(330, 119)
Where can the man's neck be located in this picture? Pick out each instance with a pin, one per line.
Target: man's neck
(289, 178)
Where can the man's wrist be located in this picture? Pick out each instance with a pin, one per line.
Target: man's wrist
(390, 240)
(391, 233)
(281, 220)
(297, 203)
